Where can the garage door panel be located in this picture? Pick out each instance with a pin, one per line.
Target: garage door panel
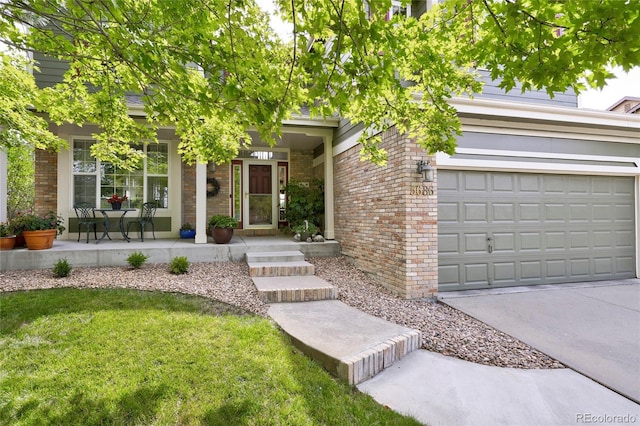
(449, 274)
(475, 212)
(475, 182)
(504, 242)
(580, 268)
(448, 212)
(449, 243)
(601, 185)
(504, 272)
(603, 239)
(556, 268)
(531, 270)
(530, 241)
(554, 212)
(541, 228)
(602, 212)
(504, 212)
(579, 239)
(579, 212)
(475, 243)
(624, 239)
(603, 265)
(476, 273)
(553, 184)
(555, 240)
(623, 213)
(530, 212)
(625, 265)
(503, 182)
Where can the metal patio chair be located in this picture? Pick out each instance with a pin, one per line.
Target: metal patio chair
(147, 213)
(86, 219)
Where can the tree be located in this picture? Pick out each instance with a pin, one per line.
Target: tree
(214, 68)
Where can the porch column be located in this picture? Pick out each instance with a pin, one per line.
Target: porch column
(201, 203)
(329, 230)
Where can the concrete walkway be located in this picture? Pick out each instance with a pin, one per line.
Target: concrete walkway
(441, 390)
(593, 328)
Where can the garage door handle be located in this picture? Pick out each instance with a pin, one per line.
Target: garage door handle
(490, 248)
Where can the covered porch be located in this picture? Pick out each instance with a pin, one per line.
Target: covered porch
(115, 252)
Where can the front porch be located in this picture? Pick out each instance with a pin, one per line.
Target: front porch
(115, 253)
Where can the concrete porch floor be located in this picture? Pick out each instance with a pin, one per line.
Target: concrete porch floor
(116, 251)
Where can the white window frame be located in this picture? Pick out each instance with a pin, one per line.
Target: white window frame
(97, 174)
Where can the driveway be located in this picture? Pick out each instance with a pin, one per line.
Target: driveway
(593, 328)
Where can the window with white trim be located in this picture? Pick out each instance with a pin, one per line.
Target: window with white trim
(95, 181)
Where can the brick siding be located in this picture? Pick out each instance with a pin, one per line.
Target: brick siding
(387, 231)
(46, 177)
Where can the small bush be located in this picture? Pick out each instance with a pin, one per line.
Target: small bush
(62, 268)
(179, 265)
(137, 259)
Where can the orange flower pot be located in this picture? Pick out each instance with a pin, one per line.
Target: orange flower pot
(40, 240)
(7, 243)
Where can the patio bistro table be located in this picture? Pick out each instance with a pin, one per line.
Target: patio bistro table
(107, 222)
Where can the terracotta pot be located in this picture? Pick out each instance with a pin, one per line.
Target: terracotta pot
(40, 240)
(222, 235)
(7, 243)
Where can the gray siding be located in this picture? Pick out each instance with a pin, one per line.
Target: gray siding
(547, 144)
(51, 70)
(492, 91)
(345, 130)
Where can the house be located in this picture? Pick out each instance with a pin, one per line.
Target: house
(628, 105)
(538, 192)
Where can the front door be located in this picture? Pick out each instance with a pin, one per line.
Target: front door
(260, 201)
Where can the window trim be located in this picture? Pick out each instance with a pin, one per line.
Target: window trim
(98, 175)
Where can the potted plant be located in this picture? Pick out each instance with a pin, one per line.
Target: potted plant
(222, 228)
(116, 201)
(7, 237)
(39, 231)
(187, 231)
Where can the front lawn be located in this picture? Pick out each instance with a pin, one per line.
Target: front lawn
(129, 357)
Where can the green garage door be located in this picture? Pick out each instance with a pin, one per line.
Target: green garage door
(509, 229)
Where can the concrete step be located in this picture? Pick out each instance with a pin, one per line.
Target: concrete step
(280, 269)
(350, 344)
(294, 289)
(275, 256)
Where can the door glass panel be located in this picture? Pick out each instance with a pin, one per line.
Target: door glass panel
(260, 195)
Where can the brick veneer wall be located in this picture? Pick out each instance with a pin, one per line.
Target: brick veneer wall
(220, 204)
(46, 178)
(300, 165)
(189, 194)
(388, 231)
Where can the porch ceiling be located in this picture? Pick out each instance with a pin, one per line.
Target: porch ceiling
(288, 140)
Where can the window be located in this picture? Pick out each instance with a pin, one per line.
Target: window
(95, 181)
(397, 8)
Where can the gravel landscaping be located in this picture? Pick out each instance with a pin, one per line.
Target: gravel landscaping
(444, 329)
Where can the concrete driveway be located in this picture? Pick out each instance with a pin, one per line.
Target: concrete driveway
(593, 328)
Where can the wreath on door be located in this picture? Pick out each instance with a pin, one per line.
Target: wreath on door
(213, 187)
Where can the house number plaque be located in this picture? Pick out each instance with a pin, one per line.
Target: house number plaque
(421, 190)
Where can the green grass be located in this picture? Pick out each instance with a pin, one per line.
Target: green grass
(87, 357)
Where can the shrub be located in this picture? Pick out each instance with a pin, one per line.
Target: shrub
(62, 268)
(223, 221)
(137, 259)
(305, 202)
(179, 265)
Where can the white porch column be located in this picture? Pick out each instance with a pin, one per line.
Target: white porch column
(329, 225)
(201, 203)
